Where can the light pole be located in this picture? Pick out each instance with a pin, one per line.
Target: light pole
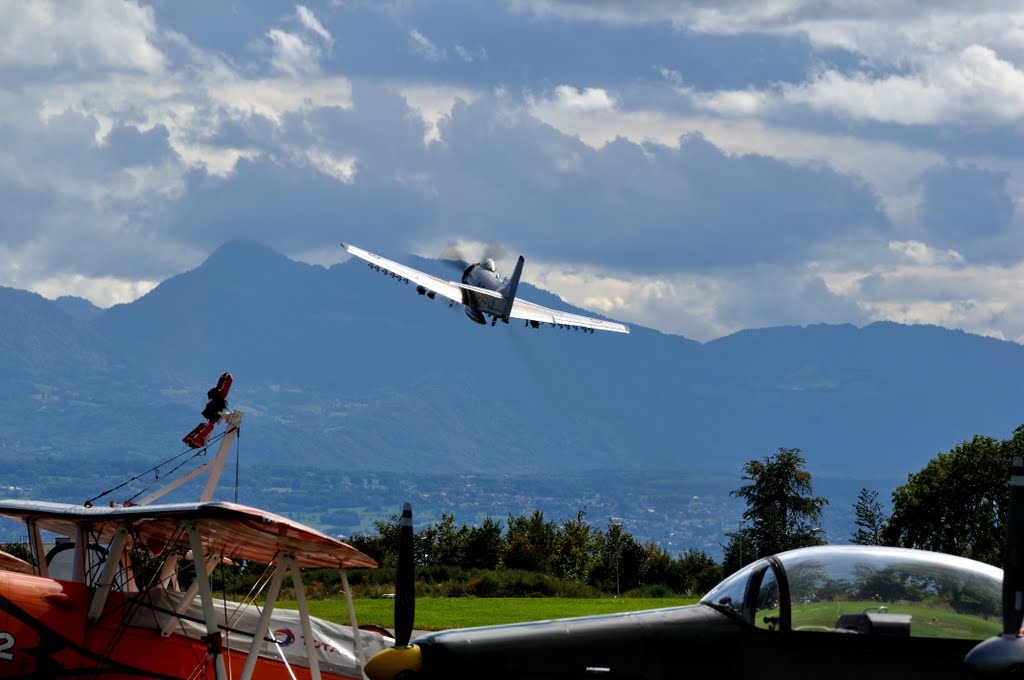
(739, 538)
(617, 522)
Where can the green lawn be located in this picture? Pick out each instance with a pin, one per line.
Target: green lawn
(926, 621)
(439, 613)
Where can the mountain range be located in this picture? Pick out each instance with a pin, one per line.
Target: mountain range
(341, 370)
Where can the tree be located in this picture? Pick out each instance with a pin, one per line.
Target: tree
(449, 542)
(574, 556)
(695, 573)
(530, 543)
(19, 550)
(957, 503)
(484, 545)
(870, 519)
(781, 513)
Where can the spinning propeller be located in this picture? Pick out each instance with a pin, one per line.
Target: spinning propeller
(455, 256)
(1006, 652)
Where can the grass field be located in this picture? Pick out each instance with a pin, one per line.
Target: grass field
(439, 613)
(926, 621)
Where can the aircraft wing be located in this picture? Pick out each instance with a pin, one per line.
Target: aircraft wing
(11, 563)
(449, 289)
(521, 309)
(226, 529)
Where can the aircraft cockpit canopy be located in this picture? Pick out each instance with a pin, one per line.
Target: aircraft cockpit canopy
(865, 590)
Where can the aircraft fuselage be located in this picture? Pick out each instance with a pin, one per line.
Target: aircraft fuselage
(477, 305)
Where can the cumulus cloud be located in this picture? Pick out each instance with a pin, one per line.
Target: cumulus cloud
(89, 36)
(294, 54)
(863, 172)
(952, 88)
(590, 99)
(922, 63)
(919, 253)
(703, 306)
(983, 299)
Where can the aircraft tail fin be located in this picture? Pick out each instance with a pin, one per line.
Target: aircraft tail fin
(510, 288)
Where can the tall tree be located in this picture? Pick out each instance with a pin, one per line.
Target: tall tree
(781, 513)
(957, 502)
(530, 543)
(484, 545)
(869, 518)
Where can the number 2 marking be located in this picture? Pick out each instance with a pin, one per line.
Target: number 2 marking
(6, 643)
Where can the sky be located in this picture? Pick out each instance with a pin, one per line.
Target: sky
(697, 167)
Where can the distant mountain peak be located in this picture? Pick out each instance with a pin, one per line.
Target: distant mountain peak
(244, 250)
(78, 308)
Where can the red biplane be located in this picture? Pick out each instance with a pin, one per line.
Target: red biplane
(106, 602)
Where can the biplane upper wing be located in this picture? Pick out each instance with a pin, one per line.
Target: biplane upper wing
(450, 289)
(226, 529)
(522, 309)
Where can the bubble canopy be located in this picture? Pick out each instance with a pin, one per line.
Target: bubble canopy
(866, 590)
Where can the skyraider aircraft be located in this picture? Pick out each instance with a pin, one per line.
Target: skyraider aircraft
(483, 293)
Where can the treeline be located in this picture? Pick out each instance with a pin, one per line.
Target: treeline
(956, 504)
(607, 559)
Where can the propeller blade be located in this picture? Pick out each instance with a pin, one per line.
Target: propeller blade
(1013, 553)
(405, 593)
(1004, 653)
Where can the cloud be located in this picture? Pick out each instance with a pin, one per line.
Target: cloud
(89, 36)
(971, 86)
(424, 48)
(703, 306)
(590, 99)
(983, 299)
(699, 167)
(921, 63)
(291, 53)
(919, 253)
(311, 23)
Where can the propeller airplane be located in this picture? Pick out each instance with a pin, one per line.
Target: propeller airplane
(483, 293)
(837, 611)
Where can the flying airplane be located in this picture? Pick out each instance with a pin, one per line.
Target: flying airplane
(483, 293)
(835, 611)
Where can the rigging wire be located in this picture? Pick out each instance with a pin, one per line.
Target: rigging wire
(155, 470)
(238, 456)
